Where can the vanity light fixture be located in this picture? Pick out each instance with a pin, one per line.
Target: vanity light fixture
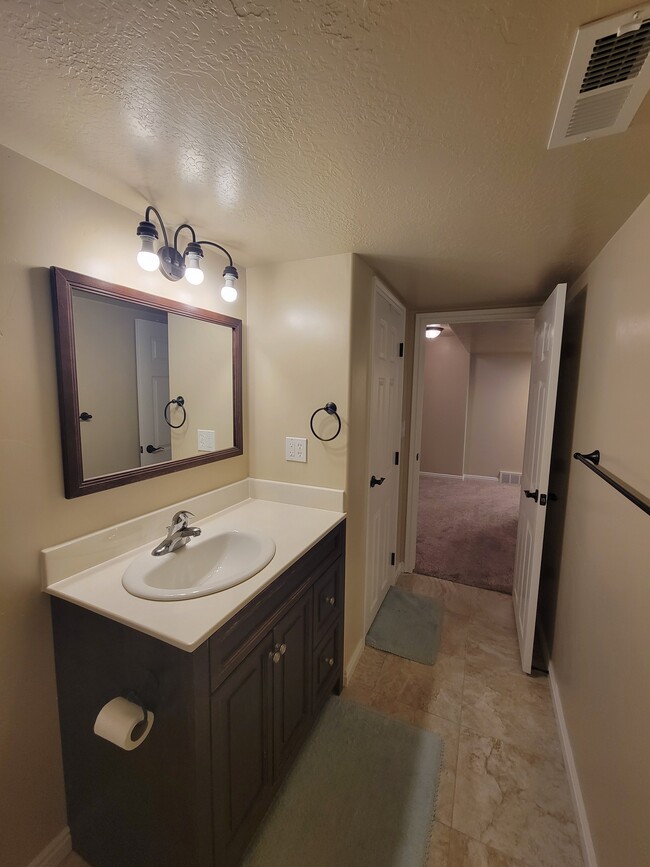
(175, 265)
(433, 331)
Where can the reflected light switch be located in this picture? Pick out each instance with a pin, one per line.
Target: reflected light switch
(206, 441)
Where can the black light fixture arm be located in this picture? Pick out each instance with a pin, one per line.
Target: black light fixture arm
(219, 247)
(161, 223)
(178, 231)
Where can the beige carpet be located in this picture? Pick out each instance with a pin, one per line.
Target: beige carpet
(467, 531)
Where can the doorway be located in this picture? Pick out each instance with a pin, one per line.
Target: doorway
(474, 401)
(457, 443)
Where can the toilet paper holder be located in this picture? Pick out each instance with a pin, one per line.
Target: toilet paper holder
(134, 698)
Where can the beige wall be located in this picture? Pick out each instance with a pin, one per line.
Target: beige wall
(299, 359)
(496, 413)
(48, 220)
(597, 617)
(200, 369)
(444, 407)
(309, 328)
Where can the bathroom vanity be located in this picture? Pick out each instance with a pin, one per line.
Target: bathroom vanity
(230, 714)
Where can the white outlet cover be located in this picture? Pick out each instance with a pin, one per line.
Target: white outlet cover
(206, 441)
(296, 449)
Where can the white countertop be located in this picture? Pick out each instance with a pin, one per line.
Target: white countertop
(187, 624)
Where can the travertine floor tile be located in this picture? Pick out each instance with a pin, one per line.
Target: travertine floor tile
(494, 609)
(436, 689)
(454, 634)
(466, 852)
(492, 647)
(512, 706)
(514, 801)
(438, 846)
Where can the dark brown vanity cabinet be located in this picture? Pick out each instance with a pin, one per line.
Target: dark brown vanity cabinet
(229, 719)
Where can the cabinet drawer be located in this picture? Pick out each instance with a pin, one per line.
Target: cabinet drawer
(328, 601)
(326, 665)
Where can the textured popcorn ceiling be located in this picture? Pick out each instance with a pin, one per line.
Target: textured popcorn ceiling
(411, 131)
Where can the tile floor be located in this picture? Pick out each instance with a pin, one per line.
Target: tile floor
(504, 797)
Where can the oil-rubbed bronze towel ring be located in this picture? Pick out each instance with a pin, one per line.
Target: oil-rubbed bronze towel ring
(180, 402)
(330, 409)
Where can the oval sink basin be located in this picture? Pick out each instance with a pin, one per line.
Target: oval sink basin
(205, 565)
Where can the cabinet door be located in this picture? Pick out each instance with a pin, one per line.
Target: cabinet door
(241, 752)
(292, 638)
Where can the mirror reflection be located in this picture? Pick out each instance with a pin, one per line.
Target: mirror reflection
(153, 386)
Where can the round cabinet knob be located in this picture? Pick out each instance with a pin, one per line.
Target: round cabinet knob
(283, 649)
(330, 661)
(275, 656)
(331, 600)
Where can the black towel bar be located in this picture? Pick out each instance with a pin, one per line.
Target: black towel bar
(592, 460)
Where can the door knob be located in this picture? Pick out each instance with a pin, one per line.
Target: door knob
(151, 449)
(532, 495)
(374, 481)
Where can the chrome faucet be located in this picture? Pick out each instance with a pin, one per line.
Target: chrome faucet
(179, 533)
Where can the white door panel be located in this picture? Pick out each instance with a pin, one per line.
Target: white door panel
(384, 440)
(152, 363)
(537, 462)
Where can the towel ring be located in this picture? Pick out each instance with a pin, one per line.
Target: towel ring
(330, 409)
(180, 402)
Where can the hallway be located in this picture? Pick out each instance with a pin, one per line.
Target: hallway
(504, 798)
(467, 531)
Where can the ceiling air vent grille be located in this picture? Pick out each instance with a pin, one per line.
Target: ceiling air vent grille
(607, 78)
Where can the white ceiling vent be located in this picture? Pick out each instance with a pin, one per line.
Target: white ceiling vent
(607, 78)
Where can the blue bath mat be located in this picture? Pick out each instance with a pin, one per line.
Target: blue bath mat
(407, 625)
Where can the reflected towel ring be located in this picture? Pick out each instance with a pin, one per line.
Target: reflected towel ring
(179, 401)
(330, 409)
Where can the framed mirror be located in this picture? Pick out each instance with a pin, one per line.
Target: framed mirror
(147, 386)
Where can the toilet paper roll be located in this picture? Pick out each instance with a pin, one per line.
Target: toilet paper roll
(121, 722)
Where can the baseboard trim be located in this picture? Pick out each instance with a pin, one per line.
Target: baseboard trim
(55, 851)
(353, 662)
(441, 475)
(586, 841)
(472, 477)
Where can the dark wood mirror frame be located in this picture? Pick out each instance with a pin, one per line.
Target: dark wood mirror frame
(62, 284)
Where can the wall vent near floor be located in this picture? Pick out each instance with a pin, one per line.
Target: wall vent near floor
(508, 478)
(607, 78)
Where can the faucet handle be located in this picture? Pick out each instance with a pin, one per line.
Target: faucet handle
(180, 520)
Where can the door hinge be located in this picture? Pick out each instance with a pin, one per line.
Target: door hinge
(401, 350)
(392, 559)
(397, 459)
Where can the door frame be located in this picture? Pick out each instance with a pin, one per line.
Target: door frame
(380, 288)
(491, 314)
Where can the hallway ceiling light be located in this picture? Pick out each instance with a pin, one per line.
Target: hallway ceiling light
(433, 331)
(175, 265)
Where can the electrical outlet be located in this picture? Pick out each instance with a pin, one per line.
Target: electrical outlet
(206, 441)
(296, 449)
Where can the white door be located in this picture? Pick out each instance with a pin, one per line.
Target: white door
(386, 372)
(537, 464)
(152, 365)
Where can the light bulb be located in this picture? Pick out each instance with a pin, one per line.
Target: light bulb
(194, 275)
(192, 260)
(229, 293)
(147, 257)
